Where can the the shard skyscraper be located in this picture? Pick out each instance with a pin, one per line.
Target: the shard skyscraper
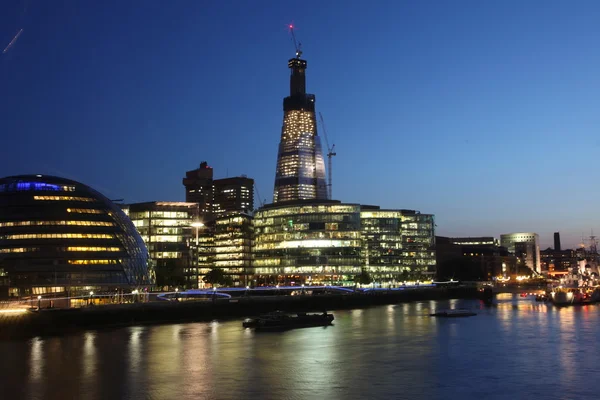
(300, 173)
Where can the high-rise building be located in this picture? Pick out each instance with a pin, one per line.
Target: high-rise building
(215, 196)
(199, 187)
(300, 173)
(526, 246)
(557, 241)
(233, 195)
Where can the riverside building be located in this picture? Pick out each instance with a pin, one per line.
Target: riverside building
(61, 237)
(398, 245)
(167, 229)
(524, 245)
(232, 246)
(307, 241)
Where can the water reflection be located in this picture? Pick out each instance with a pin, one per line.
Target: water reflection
(518, 349)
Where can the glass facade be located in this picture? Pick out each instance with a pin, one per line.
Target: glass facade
(300, 172)
(317, 242)
(72, 241)
(166, 228)
(232, 247)
(398, 245)
(331, 242)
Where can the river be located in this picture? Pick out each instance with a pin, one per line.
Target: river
(519, 349)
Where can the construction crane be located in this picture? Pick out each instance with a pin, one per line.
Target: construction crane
(297, 45)
(330, 153)
(261, 203)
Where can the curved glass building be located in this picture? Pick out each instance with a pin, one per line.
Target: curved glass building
(58, 235)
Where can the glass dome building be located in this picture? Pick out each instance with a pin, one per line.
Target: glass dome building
(60, 236)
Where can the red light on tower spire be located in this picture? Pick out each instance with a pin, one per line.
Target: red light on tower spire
(297, 45)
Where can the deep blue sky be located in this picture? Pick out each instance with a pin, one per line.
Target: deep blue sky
(485, 113)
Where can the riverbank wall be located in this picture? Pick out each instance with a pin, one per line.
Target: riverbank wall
(64, 321)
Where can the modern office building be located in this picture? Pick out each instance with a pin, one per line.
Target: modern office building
(61, 236)
(557, 241)
(526, 246)
(300, 173)
(398, 245)
(233, 195)
(167, 230)
(215, 196)
(308, 241)
(232, 246)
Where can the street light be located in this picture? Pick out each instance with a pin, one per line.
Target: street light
(197, 225)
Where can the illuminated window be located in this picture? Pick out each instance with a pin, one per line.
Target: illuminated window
(63, 198)
(59, 236)
(56, 223)
(38, 186)
(93, 249)
(19, 250)
(85, 211)
(84, 262)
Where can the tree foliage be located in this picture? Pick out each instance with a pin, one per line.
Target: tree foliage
(216, 277)
(363, 278)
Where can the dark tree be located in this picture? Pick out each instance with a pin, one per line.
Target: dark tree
(363, 278)
(216, 277)
(170, 273)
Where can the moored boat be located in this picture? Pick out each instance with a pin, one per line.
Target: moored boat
(282, 321)
(453, 313)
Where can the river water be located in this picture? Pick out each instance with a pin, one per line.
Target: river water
(519, 349)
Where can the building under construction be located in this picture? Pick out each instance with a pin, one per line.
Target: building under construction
(300, 173)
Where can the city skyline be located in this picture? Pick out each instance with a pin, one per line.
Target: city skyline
(485, 117)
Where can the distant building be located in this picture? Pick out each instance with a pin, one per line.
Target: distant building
(199, 187)
(558, 260)
(215, 196)
(475, 241)
(493, 259)
(526, 246)
(166, 228)
(61, 237)
(233, 194)
(557, 241)
(398, 245)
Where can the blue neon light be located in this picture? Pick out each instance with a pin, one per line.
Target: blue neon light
(27, 186)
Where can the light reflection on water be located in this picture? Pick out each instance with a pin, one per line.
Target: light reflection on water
(518, 349)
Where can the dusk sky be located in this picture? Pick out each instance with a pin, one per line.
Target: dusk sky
(484, 113)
